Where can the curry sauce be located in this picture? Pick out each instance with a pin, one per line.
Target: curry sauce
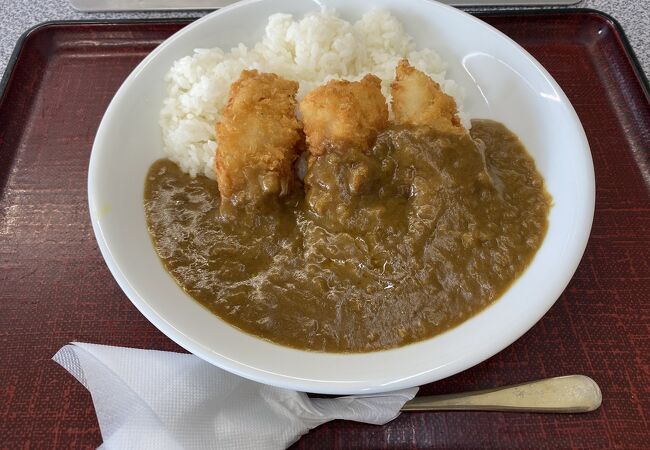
(379, 250)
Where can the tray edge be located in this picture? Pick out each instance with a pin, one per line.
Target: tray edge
(24, 37)
(641, 76)
(636, 65)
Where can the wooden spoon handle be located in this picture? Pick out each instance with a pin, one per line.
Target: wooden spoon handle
(568, 394)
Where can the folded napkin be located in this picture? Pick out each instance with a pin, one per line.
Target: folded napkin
(162, 400)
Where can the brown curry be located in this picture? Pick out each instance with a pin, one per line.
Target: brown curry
(387, 248)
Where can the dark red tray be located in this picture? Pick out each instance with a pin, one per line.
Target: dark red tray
(55, 287)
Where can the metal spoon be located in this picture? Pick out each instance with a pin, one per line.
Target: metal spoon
(568, 394)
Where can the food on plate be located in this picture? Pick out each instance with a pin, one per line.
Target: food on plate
(418, 100)
(258, 134)
(344, 113)
(397, 229)
(312, 50)
(341, 116)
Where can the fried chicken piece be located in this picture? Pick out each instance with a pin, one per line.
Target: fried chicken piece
(258, 135)
(342, 120)
(344, 114)
(419, 101)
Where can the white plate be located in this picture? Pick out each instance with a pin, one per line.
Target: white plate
(502, 82)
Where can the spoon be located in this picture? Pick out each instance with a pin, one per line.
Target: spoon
(568, 394)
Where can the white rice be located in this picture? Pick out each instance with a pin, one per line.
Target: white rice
(313, 50)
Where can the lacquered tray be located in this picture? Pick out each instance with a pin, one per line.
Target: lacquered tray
(55, 287)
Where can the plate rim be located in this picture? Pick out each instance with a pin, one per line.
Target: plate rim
(331, 386)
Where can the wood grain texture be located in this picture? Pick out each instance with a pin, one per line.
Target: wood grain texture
(55, 287)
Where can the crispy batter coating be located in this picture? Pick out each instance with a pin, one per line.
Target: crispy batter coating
(344, 114)
(258, 134)
(419, 101)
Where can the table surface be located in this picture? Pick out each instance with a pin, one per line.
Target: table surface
(16, 16)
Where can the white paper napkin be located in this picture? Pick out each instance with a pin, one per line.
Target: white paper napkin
(146, 399)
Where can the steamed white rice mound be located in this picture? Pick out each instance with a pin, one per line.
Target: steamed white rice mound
(318, 48)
